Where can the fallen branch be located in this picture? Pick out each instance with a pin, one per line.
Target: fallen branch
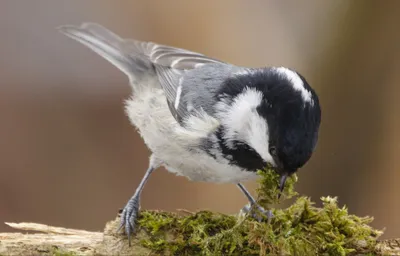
(48, 240)
(300, 229)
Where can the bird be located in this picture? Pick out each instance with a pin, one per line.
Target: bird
(207, 119)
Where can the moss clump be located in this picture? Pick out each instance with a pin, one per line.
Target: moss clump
(300, 229)
(268, 191)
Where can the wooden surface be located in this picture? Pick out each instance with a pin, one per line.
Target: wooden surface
(47, 240)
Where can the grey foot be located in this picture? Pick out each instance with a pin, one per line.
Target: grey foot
(247, 209)
(129, 216)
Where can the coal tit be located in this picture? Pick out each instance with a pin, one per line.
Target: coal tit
(206, 119)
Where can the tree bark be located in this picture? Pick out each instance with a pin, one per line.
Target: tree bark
(48, 240)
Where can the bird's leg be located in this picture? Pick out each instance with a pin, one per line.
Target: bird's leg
(131, 209)
(252, 203)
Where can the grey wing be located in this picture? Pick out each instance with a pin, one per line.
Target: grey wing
(172, 64)
(136, 58)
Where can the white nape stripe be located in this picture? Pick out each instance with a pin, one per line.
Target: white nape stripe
(178, 96)
(297, 83)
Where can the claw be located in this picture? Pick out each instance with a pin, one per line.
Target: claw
(131, 210)
(122, 222)
(129, 237)
(247, 209)
(128, 218)
(120, 227)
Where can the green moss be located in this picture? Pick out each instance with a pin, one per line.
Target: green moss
(268, 191)
(300, 229)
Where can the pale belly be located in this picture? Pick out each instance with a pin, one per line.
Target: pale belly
(148, 111)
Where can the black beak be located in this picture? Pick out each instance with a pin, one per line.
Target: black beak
(282, 184)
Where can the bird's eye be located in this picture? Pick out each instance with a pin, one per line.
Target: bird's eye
(272, 150)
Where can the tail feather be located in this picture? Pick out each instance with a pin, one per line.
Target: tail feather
(132, 61)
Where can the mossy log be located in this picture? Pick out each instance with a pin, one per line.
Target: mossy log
(300, 229)
(47, 240)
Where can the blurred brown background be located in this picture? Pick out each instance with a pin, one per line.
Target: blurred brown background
(69, 157)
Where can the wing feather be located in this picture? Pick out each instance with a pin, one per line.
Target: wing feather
(134, 57)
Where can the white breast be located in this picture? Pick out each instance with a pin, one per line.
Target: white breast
(148, 111)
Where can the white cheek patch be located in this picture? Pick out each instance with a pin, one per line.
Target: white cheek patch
(257, 137)
(243, 123)
(296, 82)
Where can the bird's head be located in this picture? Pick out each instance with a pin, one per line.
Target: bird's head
(269, 116)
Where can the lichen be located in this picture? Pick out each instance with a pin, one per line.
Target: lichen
(300, 229)
(58, 252)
